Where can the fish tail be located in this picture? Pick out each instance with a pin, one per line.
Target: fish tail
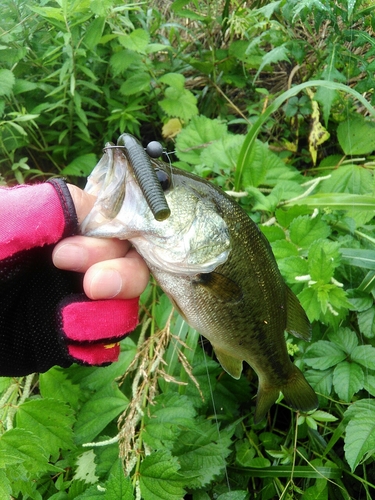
(298, 394)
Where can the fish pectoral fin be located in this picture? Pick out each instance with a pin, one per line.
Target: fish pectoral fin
(231, 365)
(220, 286)
(297, 322)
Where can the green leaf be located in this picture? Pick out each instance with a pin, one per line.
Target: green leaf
(94, 32)
(173, 80)
(180, 103)
(118, 485)
(19, 446)
(137, 40)
(274, 55)
(260, 162)
(323, 354)
(51, 420)
(365, 356)
(104, 406)
(233, 495)
(81, 166)
(201, 131)
(345, 339)
(86, 468)
(348, 379)
(360, 431)
(120, 61)
(356, 135)
(348, 179)
(338, 201)
(305, 230)
(55, 384)
(7, 80)
(222, 154)
(136, 83)
(202, 452)
(359, 257)
(5, 486)
(171, 414)
(244, 453)
(159, 478)
(321, 380)
(292, 267)
(366, 322)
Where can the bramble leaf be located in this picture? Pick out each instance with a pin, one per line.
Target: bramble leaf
(360, 431)
(200, 132)
(51, 420)
(118, 485)
(159, 477)
(323, 354)
(202, 452)
(348, 379)
(171, 414)
(98, 412)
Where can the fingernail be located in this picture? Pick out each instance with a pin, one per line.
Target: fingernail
(69, 256)
(105, 284)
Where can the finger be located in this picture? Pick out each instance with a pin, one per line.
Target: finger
(123, 278)
(78, 253)
(83, 201)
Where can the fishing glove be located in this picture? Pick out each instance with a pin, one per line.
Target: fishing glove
(45, 318)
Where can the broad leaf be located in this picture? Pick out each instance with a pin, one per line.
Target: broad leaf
(348, 379)
(51, 420)
(19, 446)
(202, 452)
(104, 406)
(304, 230)
(192, 140)
(137, 40)
(356, 135)
(118, 485)
(360, 431)
(365, 356)
(7, 80)
(171, 414)
(159, 477)
(323, 354)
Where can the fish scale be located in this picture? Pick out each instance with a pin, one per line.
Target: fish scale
(219, 271)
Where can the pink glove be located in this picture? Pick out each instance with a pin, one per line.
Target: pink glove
(45, 318)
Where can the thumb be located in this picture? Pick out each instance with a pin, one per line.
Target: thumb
(83, 201)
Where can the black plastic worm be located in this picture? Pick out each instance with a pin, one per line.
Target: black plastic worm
(145, 175)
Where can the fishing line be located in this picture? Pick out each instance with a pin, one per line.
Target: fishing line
(214, 408)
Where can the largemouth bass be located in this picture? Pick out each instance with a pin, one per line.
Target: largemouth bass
(217, 268)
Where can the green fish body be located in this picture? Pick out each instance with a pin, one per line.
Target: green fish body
(217, 268)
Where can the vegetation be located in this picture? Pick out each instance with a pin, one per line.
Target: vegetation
(273, 102)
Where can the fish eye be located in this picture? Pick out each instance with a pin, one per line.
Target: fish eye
(164, 179)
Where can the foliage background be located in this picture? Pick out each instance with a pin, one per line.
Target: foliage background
(271, 101)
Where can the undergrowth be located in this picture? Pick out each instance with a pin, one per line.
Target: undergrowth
(272, 101)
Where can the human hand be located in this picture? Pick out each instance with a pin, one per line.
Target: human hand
(112, 269)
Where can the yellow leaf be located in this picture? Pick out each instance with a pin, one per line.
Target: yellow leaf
(318, 134)
(171, 128)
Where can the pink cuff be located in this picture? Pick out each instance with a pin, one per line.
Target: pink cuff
(30, 216)
(99, 320)
(96, 354)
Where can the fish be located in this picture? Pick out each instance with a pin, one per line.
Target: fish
(217, 268)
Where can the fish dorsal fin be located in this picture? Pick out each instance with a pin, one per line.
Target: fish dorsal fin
(297, 321)
(220, 286)
(231, 365)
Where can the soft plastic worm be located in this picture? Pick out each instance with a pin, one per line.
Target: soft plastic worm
(145, 175)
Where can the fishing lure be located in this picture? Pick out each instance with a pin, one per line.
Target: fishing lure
(145, 174)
